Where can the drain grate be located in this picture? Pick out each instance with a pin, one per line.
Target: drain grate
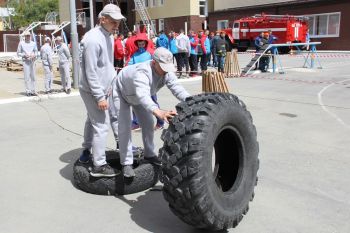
(288, 114)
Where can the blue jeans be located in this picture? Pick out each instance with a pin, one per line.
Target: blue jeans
(221, 63)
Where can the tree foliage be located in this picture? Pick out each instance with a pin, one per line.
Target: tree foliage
(28, 11)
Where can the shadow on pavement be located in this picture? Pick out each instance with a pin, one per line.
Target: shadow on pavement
(151, 212)
(69, 158)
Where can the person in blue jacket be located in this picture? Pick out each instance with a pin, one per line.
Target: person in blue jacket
(257, 41)
(143, 55)
(162, 41)
(272, 37)
(258, 44)
(172, 46)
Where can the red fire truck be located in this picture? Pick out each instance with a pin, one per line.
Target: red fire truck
(287, 29)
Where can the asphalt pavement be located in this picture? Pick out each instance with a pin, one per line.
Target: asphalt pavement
(303, 123)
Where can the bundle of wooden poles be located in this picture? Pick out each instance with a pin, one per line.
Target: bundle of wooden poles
(231, 67)
(213, 81)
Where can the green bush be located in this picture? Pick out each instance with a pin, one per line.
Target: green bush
(28, 11)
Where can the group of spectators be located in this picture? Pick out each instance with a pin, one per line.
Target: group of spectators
(197, 49)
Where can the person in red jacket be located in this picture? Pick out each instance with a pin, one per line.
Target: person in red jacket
(130, 47)
(193, 53)
(202, 52)
(119, 52)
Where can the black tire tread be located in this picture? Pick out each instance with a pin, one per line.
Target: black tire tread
(145, 178)
(183, 189)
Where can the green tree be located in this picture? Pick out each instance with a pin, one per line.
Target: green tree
(28, 11)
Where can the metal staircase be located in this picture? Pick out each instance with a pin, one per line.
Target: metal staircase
(146, 19)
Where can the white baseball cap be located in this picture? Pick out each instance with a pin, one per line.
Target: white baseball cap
(26, 33)
(113, 11)
(165, 59)
(58, 38)
(47, 39)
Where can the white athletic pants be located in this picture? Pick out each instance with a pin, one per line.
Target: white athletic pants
(65, 75)
(96, 129)
(124, 129)
(48, 78)
(29, 76)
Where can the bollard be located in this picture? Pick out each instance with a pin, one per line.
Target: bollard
(274, 62)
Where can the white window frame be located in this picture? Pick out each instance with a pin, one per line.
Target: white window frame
(314, 25)
(153, 3)
(219, 22)
(205, 8)
(161, 2)
(161, 25)
(146, 3)
(154, 22)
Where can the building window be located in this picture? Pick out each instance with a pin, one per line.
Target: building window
(161, 2)
(222, 24)
(161, 25)
(145, 3)
(154, 23)
(202, 8)
(324, 25)
(153, 3)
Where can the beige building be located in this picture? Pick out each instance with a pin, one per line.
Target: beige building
(165, 14)
(174, 15)
(83, 6)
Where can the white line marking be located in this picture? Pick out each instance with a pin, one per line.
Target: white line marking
(64, 95)
(181, 80)
(328, 111)
(38, 98)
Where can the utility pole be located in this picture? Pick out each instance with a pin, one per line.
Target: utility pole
(91, 14)
(74, 40)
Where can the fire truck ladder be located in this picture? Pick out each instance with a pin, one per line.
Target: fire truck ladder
(146, 19)
(301, 17)
(255, 60)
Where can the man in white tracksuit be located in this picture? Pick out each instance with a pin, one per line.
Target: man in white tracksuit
(64, 64)
(28, 51)
(97, 74)
(46, 58)
(134, 87)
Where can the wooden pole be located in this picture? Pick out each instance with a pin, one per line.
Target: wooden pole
(214, 82)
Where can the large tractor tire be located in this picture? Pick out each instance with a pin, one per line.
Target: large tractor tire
(145, 178)
(210, 161)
